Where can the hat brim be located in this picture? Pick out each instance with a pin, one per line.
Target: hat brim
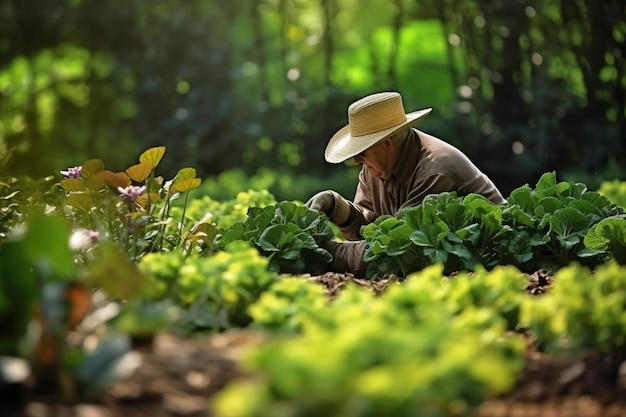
(343, 146)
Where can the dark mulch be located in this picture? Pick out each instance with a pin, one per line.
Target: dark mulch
(177, 377)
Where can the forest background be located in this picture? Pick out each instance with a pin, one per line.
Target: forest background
(521, 86)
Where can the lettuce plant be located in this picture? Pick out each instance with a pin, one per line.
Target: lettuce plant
(288, 234)
(216, 291)
(585, 311)
(397, 354)
(552, 220)
(287, 305)
(609, 235)
(459, 232)
(615, 191)
(501, 289)
(213, 291)
(540, 228)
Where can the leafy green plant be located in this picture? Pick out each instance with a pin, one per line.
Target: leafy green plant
(553, 219)
(460, 233)
(28, 262)
(397, 354)
(615, 191)
(227, 212)
(133, 208)
(21, 195)
(541, 228)
(288, 234)
(214, 292)
(43, 295)
(609, 236)
(501, 289)
(585, 311)
(287, 304)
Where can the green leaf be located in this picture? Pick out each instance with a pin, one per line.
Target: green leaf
(520, 247)
(152, 156)
(421, 239)
(523, 198)
(185, 173)
(547, 205)
(91, 168)
(516, 217)
(139, 172)
(186, 184)
(436, 255)
(72, 185)
(46, 246)
(568, 222)
(609, 235)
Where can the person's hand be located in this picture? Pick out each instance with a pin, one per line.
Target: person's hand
(332, 204)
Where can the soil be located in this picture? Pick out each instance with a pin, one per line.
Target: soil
(177, 377)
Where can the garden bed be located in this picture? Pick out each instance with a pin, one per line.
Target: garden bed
(178, 377)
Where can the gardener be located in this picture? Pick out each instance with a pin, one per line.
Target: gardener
(401, 166)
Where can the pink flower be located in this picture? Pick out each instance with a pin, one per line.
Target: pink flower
(131, 192)
(72, 172)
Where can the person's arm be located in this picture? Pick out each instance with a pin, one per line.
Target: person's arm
(347, 257)
(364, 212)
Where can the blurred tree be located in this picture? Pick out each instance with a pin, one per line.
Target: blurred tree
(522, 86)
(543, 79)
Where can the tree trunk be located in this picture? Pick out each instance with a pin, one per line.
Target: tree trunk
(259, 47)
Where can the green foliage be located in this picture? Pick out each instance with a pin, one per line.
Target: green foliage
(33, 257)
(219, 289)
(585, 311)
(28, 262)
(72, 84)
(215, 292)
(540, 228)
(132, 208)
(62, 82)
(163, 269)
(609, 235)
(284, 185)
(227, 212)
(554, 219)
(287, 304)
(288, 234)
(502, 289)
(398, 354)
(21, 195)
(41, 300)
(615, 191)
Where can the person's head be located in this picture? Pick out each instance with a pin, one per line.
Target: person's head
(370, 136)
(381, 158)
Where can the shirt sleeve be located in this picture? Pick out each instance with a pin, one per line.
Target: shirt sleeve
(348, 257)
(363, 205)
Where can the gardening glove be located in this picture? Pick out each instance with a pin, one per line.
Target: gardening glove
(338, 209)
(347, 256)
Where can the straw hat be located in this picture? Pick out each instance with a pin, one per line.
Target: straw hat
(370, 120)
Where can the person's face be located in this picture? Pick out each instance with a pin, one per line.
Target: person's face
(378, 158)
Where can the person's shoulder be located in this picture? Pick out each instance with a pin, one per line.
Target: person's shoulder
(441, 158)
(438, 149)
(431, 142)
